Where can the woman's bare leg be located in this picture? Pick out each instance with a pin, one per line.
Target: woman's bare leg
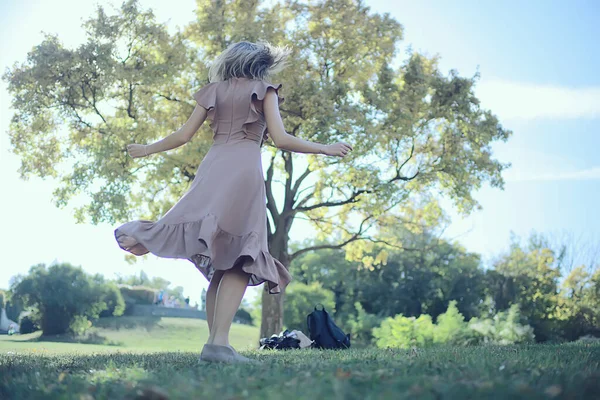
(211, 297)
(229, 296)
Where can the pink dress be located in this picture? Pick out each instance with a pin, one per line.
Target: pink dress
(221, 221)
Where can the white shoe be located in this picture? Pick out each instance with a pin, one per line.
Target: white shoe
(223, 354)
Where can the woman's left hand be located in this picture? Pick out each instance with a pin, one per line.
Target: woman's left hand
(137, 150)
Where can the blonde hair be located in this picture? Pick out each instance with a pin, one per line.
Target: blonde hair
(248, 60)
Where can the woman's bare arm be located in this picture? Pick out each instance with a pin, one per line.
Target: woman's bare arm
(174, 140)
(285, 141)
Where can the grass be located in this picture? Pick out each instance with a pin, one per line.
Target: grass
(132, 334)
(157, 364)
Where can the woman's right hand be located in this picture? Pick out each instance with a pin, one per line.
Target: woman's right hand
(339, 149)
(137, 150)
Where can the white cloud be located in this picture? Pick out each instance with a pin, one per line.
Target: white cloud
(577, 175)
(511, 100)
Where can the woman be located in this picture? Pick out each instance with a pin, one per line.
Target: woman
(220, 224)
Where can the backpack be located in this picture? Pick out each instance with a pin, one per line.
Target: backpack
(324, 332)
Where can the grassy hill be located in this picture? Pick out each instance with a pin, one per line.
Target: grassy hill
(132, 334)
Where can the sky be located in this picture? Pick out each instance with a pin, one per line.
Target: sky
(539, 63)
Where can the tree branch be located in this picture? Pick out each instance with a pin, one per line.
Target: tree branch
(289, 169)
(130, 102)
(299, 180)
(351, 199)
(271, 205)
(324, 246)
(354, 237)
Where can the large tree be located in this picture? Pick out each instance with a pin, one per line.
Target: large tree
(416, 132)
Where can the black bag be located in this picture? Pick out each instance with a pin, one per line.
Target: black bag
(324, 332)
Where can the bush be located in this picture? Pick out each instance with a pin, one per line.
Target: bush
(243, 316)
(301, 299)
(114, 301)
(63, 294)
(402, 332)
(405, 332)
(451, 326)
(137, 294)
(361, 326)
(504, 328)
(27, 324)
(79, 325)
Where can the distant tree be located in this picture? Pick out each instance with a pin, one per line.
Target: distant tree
(528, 275)
(423, 278)
(579, 303)
(63, 295)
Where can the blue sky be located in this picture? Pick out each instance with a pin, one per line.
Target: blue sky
(539, 64)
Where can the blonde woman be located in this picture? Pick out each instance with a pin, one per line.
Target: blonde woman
(220, 224)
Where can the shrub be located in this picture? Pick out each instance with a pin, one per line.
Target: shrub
(27, 324)
(114, 301)
(451, 326)
(301, 299)
(79, 325)
(361, 326)
(243, 316)
(60, 293)
(504, 328)
(405, 332)
(137, 294)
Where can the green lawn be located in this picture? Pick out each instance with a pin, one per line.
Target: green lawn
(132, 334)
(162, 363)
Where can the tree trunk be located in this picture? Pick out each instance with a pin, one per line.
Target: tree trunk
(272, 314)
(272, 304)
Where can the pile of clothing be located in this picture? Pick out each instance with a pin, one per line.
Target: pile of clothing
(286, 340)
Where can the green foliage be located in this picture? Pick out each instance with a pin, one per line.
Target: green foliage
(2, 299)
(157, 283)
(301, 300)
(504, 328)
(79, 325)
(63, 295)
(528, 276)
(361, 326)
(28, 324)
(411, 283)
(450, 325)
(137, 294)
(243, 316)
(405, 332)
(115, 303)
(579, 303)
